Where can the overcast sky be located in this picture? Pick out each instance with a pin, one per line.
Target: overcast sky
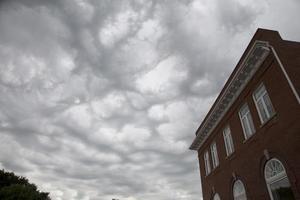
(101, 99)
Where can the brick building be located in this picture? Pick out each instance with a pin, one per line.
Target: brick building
(249, 142)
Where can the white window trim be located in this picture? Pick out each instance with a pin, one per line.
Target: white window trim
(231, 145)
(244, 131)
(216, 197)
(206, 163)
(214, 155)
(278, 177)
(234, 184)
(269, 115)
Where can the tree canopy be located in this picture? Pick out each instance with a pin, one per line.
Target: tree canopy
(13, 187)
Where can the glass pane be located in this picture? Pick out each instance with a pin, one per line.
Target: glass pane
(274, 169)
(226, 143)
(250, 121)
(246, 121)
(206, 162)
(241, 197)
(262, 111)
(281, 190)
(217, 197)
(227, 130)
(228, 140)
(244, 110)
(239, 192)
(231, 144)
(246, 127)
(268, 104)
(260, 92)
(214, 155)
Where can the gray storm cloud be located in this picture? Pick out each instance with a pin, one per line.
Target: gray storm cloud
(101, 99)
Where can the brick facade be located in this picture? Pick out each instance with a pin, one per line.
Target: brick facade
(278, 138)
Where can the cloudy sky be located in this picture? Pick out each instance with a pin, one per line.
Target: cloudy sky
(101, 99)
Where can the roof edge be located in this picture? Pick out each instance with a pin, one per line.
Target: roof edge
(233, 87)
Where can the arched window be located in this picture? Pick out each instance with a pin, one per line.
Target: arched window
(239, 192)
(277, 181)
(216, 197)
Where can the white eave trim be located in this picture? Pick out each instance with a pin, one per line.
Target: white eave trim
(255, 57)
(286, 75)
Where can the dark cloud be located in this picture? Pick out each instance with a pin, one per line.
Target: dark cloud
(101, 99)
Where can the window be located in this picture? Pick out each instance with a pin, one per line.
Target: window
(263, 104)
(214, 155)
(239, 192)
(277, 181)
(216, 197)
(207, 163)
(228, 141)
(246, 120)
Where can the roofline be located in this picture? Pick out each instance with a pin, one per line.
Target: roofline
(257, 34)
(261, 36)
(233, 87)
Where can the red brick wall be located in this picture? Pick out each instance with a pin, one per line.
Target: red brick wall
(280, 136)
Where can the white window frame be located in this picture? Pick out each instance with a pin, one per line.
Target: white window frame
(275, 178)
(249, 121)
(234, 192)
(214, 155)
(229, 146)
(206, 163)
(260, 98)
(217, 197)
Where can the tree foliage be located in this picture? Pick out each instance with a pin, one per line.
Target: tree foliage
(13, 187)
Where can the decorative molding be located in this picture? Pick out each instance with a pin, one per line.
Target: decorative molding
(255, 57)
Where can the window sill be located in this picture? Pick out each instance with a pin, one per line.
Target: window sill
(231, 156)
(249, 139)
(272, 118)
(207, 175)
(215, 170)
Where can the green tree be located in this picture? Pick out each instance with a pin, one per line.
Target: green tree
(14, 187)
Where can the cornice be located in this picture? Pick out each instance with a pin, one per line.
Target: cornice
(256, 55)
